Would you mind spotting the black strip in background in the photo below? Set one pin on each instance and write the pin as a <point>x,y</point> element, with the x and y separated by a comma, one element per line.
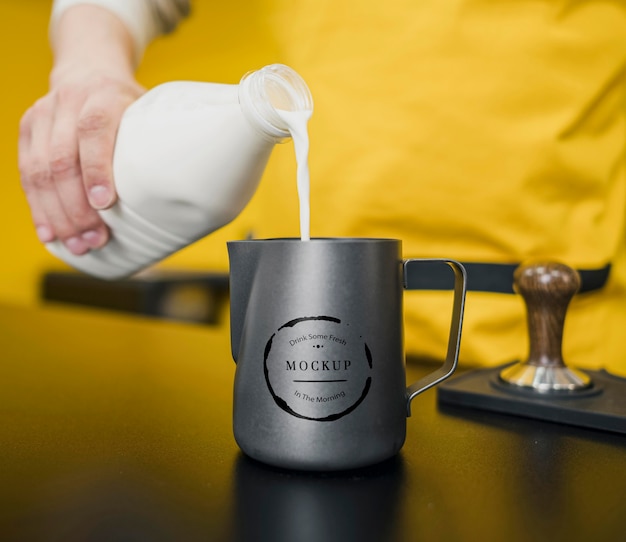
<point>489,277</point>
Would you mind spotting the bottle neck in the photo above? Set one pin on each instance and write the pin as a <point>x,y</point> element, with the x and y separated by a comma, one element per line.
<point>264,93</point>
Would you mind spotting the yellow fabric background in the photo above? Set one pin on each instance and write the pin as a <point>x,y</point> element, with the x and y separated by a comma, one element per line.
<point>483,131</point>
<point>477,130</point>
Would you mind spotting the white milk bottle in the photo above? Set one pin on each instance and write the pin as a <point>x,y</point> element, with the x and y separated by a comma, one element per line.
<point>188,158</point>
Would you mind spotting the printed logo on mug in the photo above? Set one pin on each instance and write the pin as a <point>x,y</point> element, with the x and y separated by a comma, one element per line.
<point>317,368</point>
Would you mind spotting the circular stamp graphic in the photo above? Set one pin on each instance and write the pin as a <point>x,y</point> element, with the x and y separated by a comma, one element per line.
<point>317,368</point>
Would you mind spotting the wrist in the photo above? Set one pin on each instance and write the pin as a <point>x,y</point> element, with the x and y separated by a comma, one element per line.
<point>90,39</point>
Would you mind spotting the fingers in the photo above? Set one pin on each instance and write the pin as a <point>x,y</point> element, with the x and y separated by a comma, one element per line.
<point>97,129</point>
<point>51,178</point>
<point>47,211</point>
<point>27,175</point>
<point>88,231</point>
<point>66,145</point>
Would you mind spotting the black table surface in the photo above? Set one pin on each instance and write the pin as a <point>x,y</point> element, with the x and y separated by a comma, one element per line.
<point>117,428</point>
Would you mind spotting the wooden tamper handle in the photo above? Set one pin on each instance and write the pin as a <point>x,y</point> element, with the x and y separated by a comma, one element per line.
<point>547,289</point>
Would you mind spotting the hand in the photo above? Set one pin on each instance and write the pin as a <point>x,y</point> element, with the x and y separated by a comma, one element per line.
<point>66,144</point>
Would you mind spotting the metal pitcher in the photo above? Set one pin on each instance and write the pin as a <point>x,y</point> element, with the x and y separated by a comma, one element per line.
<point>317,334</point>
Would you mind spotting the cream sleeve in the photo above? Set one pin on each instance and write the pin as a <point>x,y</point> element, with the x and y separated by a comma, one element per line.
<point>145,19</point>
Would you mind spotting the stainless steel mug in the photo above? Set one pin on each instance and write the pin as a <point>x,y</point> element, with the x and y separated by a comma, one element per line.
<point>316,331</point>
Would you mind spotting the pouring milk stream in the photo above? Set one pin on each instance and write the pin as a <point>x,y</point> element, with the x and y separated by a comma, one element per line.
<point>297,122</point>
<point>188,158</point>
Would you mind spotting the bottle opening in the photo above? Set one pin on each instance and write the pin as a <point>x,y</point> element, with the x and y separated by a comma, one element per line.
<point>284,89</point>
<point>271,89</point>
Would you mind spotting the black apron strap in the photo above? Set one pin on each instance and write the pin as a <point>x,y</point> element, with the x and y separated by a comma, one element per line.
<point>490,277</point>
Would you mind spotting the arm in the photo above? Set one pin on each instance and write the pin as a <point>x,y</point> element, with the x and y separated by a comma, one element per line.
<point>67,137</point>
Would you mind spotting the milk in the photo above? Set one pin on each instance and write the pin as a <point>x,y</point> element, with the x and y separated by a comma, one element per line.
<point>188,158</point>
<point>297,123</point>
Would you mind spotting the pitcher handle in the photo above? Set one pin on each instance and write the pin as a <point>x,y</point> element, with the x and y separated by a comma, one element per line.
<point>454,339</point>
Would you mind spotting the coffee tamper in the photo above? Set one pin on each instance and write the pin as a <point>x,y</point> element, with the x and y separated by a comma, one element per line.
<point>543,387</point>
<point>547,289</point>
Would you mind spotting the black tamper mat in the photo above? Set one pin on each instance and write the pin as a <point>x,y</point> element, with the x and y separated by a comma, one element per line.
<point>543,387</point>
<point>602,406</point>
